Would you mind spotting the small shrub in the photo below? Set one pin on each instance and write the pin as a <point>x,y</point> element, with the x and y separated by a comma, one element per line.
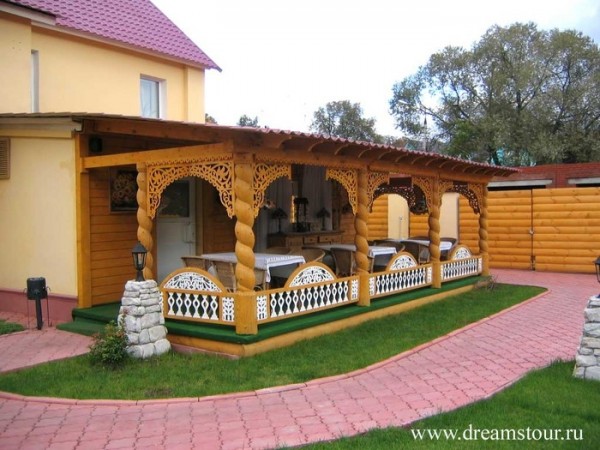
<point>110,347</point>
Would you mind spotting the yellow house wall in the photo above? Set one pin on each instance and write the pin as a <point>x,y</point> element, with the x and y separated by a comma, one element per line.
<point>37,208</point>
<point>15,46</point>
<point>398,217</point>
<point>77,75</point>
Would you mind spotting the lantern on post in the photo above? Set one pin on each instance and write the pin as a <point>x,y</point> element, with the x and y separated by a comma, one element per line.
<point>139,260</point>
<point>597,263</point>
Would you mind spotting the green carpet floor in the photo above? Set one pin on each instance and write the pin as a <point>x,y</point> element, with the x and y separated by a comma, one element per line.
<point>89,321</point>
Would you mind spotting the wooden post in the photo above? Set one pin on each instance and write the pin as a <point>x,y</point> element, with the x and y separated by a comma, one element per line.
<point>483,232</point>
<point>245,299</point>
<point>245,313</point>
<point>434,233</point>
<point>361,238</point>
<point>144,231</point>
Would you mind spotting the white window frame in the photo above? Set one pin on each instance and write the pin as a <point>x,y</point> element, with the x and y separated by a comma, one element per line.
<point>35,81</point>
<point>160,96</point>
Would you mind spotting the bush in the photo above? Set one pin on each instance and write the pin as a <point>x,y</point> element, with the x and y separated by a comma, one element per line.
<point>110,347</point>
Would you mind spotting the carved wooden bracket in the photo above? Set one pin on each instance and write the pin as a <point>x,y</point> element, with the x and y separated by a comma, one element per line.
<point>349,179</point>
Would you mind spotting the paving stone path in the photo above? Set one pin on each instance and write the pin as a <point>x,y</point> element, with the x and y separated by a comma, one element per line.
<point>467,365</point>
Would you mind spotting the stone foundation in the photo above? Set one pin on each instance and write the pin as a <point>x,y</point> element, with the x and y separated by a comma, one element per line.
<point>142,318</point>
<point>587,361</point>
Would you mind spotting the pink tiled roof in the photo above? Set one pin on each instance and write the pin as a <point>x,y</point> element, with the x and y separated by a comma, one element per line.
<point>136,23</point>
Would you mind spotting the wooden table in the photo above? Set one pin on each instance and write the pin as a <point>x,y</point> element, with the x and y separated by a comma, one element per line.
<point>262,261</point>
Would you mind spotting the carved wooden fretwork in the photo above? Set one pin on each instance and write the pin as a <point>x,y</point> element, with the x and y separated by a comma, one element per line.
<point>445,186</point>
<point>349,179</point>
<point>406,192</point>
<point>473,192</point>
<point>217,173</point>
<point>426,185</point>
<point>376,179</point>
<point>264,175</point>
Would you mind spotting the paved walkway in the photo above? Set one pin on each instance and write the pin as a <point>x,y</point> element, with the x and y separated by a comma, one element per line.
<point>465,366</point>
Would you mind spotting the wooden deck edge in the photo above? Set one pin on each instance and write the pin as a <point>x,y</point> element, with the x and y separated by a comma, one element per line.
<point>186,344</point>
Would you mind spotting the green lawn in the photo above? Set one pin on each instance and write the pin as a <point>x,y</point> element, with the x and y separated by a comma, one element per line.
<point>178,375</point>
<point>9,327</point>
<point>548,401</point>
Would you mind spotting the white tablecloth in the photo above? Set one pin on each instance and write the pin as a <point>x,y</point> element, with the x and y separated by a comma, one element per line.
<point>374,250</point>
<point>444,245</point>
<point>263,261</point>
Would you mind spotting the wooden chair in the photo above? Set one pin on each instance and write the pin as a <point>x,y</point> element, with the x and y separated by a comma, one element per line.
<point>226,273</point>
<point>194,261</point>
<point>345,262</point>
<point>279,250</point>
<point>446,253</point>
<point>311,254</point>
<point>419,251</point>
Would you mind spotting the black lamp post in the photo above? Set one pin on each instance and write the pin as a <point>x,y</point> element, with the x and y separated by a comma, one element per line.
<point>139,260</point>
<point>597,262</point>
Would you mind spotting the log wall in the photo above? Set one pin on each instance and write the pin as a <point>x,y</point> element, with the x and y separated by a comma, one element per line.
<point>112,237</point>
<point>543,229</point>
<point>378,218</point>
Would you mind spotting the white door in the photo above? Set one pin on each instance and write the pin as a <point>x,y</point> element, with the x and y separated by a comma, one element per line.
<point>176,226</point>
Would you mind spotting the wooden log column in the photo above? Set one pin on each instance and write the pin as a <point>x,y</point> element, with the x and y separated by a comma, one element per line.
<point>435,199</point>
<point>361,238</point>
<point>144,231</point>
<point>483,232</point>
<point>245,305</point>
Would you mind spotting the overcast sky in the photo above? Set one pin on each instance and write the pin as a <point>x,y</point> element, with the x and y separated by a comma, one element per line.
<point>282,60</point>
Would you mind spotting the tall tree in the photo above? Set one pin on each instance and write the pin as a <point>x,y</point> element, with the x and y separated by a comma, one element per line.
<point>344,119</point>
<point>247,121</point>
<point>519,96</point>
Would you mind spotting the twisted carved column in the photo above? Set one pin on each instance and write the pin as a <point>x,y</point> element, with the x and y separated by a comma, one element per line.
<point>244,212</point>
<point>144,231</point>
<point>483,232</point>
<point>362,236</point>
<point>360,223</point>
<point>434,232</point>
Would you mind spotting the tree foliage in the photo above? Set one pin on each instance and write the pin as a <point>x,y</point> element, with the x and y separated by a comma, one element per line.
<point>344,119</point>
<point>210,119</point>
<point>519,96</point>
<point>247,121</point>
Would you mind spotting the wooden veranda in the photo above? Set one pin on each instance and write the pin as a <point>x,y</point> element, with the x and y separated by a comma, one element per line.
<point>240,163</point>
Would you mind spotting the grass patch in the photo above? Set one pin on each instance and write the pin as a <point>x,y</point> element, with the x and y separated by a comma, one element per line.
<point>548,399</point>
<point>9,327</point>
<point>179,375</point>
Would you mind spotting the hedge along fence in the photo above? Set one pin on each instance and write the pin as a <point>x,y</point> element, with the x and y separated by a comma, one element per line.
<point>565,224</point>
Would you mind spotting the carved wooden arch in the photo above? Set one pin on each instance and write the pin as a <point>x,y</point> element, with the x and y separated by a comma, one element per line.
<point>348,178</point>
<point>473,192</point>
<point>406,192</point>
<point>376,179</point>
<point>264,175</point>
<point>218,173</point>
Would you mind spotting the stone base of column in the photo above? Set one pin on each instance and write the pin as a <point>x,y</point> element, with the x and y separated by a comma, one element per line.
<point>587,361</point>
<point>141,316</point>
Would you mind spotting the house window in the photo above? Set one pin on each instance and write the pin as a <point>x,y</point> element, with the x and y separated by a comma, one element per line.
<point>4,158</point>
<point>151,97</point>
<point>35,81</point>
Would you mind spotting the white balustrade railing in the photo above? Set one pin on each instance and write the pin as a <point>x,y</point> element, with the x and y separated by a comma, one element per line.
<point>312,287</point>
<point>193,294</point>
<point>388,283</point>
<point>196,295</point>
<point>462,264</point>
<point>401,274</point>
